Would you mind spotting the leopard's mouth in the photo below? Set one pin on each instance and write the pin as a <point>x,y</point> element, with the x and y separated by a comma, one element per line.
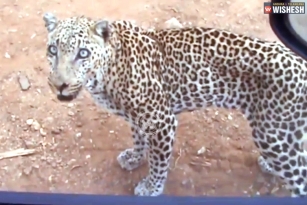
<point>68,93</point>
<point>65,98</point>
<point>68,97</point>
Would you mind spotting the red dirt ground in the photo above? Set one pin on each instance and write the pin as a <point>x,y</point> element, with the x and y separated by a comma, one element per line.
<point>76,144</point>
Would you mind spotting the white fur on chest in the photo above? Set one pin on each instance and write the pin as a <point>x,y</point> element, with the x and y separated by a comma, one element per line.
<point>102,98</point>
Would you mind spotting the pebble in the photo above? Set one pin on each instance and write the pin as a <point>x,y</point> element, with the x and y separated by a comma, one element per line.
<point>36,126</point>
<point>78,135</point>
<point>56,131</point>
<point>79,124</point>
<point>27,170</point>
<point>6,55</point>
<point>13,118</point>
<point>29,121</point>
<point>51,179</point>
<point>42,132</point>
<point>201,150</point>
<point>173,23</point>
<point>24,82</point>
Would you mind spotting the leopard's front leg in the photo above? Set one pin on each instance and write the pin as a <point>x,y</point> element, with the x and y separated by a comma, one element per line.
<point>160,144</point>
<point>134,157</point>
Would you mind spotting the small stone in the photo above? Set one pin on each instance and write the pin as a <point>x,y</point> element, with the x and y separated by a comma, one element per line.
<point>70,113</point>
<point>24,82</point>
<point>6,55</point>
<point>78,135</point>
<point>36,126</point>
<point>29,144</point>
<point>56,131</point>
<point>111,131</point>
<point>229,117</point>
<point>27,170</point>
<point>47,122</point>
<point>184,182</point>
<point>79,124</point>
<point>72,161</point>
<point>50,119</point>
<point>42,132</point>
<point>173,23</point>
<point>36,166</point>
<point>13,118</point>
<point>201,151</point>
<point>29,122</point>
<point>51,179</point>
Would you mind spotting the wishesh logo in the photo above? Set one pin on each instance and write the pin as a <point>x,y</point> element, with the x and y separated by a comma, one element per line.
<point>267,9</point>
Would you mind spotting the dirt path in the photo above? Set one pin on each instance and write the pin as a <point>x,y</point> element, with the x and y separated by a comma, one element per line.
<point>77,143</point>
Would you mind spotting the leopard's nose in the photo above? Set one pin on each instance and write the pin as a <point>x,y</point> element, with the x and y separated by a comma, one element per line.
<point>62,87</point>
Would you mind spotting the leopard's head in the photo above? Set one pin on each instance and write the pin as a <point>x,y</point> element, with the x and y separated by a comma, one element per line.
<point>77,49</point>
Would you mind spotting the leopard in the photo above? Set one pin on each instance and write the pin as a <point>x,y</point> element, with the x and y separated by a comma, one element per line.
<point>149,77</point>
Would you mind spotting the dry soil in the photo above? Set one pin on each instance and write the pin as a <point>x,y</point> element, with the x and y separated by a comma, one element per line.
<point>75,145</point>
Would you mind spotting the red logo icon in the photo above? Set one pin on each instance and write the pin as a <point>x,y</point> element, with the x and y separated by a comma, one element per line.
<point>267,9</point>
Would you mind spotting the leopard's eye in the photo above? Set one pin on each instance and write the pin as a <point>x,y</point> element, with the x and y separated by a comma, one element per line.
<point>53,50</point>
<point>83,53</point>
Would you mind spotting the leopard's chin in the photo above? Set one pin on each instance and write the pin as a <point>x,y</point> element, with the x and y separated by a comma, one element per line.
<point>64,98</point>
<point>67,98</point>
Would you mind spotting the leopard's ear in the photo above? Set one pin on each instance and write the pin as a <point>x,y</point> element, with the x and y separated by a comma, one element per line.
<point>50,21</point>
<point>101,28</point>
